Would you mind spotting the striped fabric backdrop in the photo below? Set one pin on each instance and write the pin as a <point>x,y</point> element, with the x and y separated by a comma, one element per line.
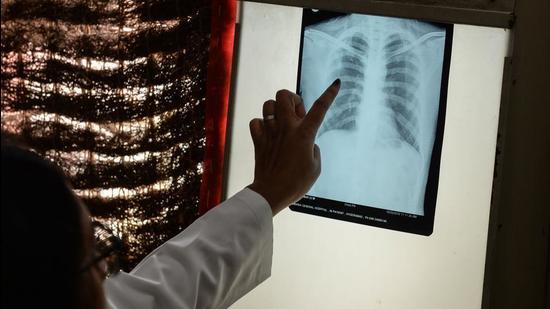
<point>114,92</point>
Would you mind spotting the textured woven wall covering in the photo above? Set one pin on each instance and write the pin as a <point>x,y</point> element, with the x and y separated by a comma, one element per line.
<point>113,91</point>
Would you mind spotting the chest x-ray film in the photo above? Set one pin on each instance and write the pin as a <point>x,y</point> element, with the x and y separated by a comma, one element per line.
<point>381,139</point>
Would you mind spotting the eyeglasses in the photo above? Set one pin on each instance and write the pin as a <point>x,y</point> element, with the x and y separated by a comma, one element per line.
<point>107,250</point>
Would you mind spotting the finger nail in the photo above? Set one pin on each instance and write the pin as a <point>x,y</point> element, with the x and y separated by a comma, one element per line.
<point>336,82</point>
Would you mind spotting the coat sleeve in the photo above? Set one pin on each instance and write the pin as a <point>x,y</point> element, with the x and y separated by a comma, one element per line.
<point>220,257</point>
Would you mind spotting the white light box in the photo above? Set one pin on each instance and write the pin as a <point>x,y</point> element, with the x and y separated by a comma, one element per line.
<point>321,262</point>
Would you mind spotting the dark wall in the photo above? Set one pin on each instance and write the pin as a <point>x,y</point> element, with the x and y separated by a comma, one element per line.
<point>517,266</point>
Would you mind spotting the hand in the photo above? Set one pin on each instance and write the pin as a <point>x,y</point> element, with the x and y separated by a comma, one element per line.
<point>288,161</point>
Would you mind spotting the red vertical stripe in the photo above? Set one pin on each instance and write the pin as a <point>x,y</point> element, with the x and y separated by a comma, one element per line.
<point>217,100</point>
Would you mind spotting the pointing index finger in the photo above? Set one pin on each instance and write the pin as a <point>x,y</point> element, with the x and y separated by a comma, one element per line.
<point>316,114</point>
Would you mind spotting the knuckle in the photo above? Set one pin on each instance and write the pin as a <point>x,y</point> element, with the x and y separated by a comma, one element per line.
<point>296,99</point>
<point>268,107</point>
<point>282,94</point>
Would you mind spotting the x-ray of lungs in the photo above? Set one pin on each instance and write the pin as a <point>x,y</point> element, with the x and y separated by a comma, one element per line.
<point>377,139</point>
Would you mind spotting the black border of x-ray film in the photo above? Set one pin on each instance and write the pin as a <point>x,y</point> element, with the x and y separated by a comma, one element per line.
<point>378,217</point>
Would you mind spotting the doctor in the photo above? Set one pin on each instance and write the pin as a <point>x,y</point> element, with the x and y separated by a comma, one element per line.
<point>51,258</point>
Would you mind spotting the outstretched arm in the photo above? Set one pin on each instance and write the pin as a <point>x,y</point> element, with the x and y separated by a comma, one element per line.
<point>228,251</point>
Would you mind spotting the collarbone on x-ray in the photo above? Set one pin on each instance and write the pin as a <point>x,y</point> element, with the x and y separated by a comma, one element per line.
<point>377,138</point>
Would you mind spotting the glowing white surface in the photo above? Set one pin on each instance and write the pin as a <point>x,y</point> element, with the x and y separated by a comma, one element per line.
<point>323,263</point>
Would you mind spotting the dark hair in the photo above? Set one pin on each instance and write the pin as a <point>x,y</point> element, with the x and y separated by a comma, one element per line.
<point>41,233</point>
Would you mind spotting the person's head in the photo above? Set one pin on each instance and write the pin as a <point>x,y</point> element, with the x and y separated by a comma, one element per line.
<point>47,238</point>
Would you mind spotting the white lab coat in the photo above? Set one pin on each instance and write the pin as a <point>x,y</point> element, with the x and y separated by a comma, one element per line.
<point>220,257</point>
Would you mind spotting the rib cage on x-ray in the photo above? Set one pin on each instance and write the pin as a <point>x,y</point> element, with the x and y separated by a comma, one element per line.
<point>400,85</point>
<point>350,65</point>
<point>388,104</point>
